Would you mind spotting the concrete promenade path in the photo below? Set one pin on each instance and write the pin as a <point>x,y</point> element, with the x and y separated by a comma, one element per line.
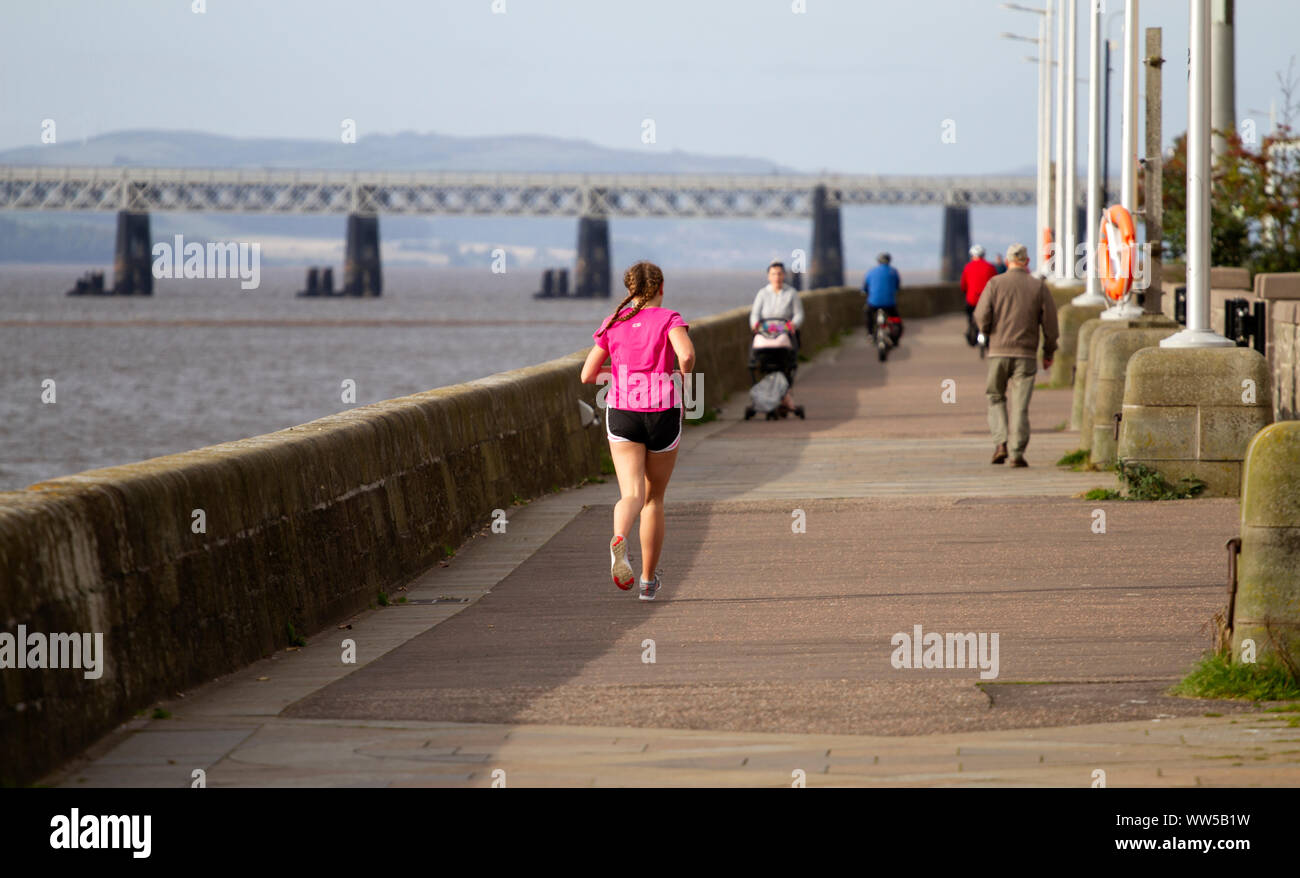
<point>519,662</point>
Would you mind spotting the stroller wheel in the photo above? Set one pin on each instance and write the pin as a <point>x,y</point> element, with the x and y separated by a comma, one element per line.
<point>884,352</point>
<point>749,412</point>
<point>798,410</point>
<point>771,416</point>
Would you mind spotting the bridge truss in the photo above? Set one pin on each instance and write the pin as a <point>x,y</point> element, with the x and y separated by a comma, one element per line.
<point>716,196</point>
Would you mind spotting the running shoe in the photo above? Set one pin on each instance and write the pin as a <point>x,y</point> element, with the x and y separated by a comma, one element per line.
<point>649,589</point>
<point>619,568</point>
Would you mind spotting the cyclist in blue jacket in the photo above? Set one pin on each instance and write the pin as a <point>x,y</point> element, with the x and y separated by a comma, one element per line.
<point>881,289</point>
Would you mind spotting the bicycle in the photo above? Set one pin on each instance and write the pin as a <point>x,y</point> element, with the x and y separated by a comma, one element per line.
<point>886,333</point>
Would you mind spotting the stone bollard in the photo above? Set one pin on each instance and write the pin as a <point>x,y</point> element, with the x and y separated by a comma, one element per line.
<point>1111,356</point>
<point>1081,351</point>
<point>1099,332</point>
<point>1069,318</point>
<point>1192,412</point>
<point>1088,370</point>
<point>1266,607</point>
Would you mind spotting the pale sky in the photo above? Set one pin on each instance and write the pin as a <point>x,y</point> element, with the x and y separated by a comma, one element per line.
<point>855,86</point>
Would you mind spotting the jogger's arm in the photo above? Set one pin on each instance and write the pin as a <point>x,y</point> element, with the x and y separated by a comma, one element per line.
<point>683,347</point>
<point>595,360</point>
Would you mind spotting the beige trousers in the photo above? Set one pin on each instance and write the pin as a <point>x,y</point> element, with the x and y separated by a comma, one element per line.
<point>1010,385</point>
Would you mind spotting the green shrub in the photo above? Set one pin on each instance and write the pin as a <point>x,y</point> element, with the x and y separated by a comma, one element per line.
<point>1217,676</point>
<point>1144,483</point>
<point>1074,458</point>
<point>1103,494</point>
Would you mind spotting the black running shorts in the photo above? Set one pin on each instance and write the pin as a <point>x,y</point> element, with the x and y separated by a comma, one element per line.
<point>657,431</point>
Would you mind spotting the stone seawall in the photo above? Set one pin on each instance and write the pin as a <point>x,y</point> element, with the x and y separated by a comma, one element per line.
<point>196,564</point>
<point>930,300</point>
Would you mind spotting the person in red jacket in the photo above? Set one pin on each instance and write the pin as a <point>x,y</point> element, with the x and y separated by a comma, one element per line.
<point>973,278</point>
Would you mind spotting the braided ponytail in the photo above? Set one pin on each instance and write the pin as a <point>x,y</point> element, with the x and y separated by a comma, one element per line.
<point>644,281</point>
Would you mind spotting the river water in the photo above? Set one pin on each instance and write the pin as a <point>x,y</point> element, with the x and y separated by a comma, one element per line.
<point>203,361</point>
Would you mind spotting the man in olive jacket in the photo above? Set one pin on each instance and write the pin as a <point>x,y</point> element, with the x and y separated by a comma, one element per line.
<point>1015,306</point>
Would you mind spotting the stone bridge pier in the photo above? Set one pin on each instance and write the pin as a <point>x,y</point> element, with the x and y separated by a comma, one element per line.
<point>592,275</point>
<point>132,255</point>
<point>956,242</point>
<point>826,267</point>
<point>362,273</point>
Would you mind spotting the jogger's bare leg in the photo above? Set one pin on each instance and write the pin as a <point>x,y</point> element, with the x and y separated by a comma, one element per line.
<point>658,470</point>
<point>630,466</point>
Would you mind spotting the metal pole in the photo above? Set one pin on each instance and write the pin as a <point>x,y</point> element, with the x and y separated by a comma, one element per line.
<point>1044,120</point>
<point>1092,294</point>
<point>1059,233</point>
<point>1105,134</point>
<point>1198,333</point>
<point>1129,120</point>
<point>1068,240</point>
<point>1052,223</point>
<point>1153,216</point>
<point>1223,98</point>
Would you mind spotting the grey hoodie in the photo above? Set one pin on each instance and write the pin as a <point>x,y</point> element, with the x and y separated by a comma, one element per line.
<point>771,305</point>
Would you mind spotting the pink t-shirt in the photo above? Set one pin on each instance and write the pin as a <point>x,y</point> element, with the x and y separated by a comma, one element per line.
<point>642,359</point>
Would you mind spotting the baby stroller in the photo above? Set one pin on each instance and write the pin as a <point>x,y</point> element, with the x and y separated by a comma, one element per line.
<point>773,360</point>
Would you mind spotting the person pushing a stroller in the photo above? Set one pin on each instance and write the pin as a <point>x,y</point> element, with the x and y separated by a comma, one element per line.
<point>775,320</point>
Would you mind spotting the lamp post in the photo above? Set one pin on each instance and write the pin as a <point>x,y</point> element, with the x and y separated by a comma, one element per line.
<point>1198,333</point>
<point>1108,47</point>
<point>1105,126</point>
<point>1069,240</point>
<point>1043,213</point>
<point>1128,310</point>
<point>1045,144</point>
<point>1223,98</point>
<point>1128,136</point>
<point>1092,294</point>
<point>1061,212</point>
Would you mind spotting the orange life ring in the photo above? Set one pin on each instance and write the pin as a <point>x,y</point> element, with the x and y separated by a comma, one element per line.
<point>1117,267</point>
<point>1047,247</point>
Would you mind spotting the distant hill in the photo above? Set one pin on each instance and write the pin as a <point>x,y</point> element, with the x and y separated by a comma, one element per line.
<point>407,151</point>
<point>911,233</point>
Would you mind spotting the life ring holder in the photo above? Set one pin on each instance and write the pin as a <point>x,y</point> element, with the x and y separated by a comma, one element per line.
<point>1116,261</point>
